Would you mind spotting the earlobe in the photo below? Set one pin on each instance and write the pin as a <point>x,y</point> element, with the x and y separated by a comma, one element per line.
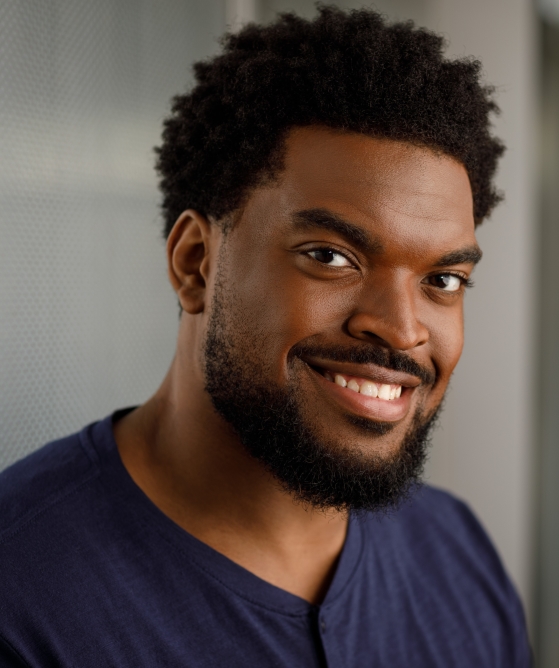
<point>188,247</point>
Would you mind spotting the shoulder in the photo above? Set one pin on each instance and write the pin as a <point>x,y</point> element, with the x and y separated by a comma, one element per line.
<point>40,481</point>
<point>435,539</point>
<point>439,509</point>
<point>441,528</point>
<point>436,504</point>
<point>435,552</point>
<point>430,509</point>
<point>449,521</point>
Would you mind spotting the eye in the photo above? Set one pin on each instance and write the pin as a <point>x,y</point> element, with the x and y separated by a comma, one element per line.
<point>448,282</point>
<point>330,257</point>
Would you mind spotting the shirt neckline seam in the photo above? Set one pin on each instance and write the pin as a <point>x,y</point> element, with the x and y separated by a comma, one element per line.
<point>193,559</point>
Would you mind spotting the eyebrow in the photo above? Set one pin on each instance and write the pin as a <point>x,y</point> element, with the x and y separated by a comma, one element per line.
<point>308,219</point>
<point>326,220</point>
<point>468,255</point>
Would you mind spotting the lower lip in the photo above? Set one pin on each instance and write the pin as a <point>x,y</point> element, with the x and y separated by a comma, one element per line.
<point>364,406</point>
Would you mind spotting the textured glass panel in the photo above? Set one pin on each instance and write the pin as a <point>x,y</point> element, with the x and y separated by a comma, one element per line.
<point>87,319</point>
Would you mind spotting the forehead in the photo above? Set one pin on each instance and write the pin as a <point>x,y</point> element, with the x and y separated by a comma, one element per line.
<point>394,189</point>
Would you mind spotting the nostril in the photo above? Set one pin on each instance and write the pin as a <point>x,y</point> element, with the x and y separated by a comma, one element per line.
<point>377,339</point>
<point>394,330</point>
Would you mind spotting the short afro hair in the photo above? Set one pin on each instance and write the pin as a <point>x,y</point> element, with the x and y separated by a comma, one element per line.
<point>350,71</point>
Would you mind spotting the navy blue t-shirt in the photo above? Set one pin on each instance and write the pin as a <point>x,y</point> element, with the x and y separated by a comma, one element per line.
<point>93,574</point>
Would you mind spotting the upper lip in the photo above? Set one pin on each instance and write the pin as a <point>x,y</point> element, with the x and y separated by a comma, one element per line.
<point>376,374</point>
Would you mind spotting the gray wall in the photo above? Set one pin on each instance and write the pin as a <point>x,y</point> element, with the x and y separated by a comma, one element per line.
<point>547,558</point>
<point>485,449</point>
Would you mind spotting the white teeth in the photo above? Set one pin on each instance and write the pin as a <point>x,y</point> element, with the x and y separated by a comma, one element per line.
<point>340,380</point>
<point>384,392</point>
<point>368,388</point>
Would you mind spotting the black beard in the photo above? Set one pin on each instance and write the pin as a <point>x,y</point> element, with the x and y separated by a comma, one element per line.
<point>272,427</point>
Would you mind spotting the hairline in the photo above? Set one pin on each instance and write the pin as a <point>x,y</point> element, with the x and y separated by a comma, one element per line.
<point>272,174</point>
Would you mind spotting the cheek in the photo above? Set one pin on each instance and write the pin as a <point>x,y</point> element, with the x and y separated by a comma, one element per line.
<point>284,307</point>
<point>307,308</point>
<point>446,343</point>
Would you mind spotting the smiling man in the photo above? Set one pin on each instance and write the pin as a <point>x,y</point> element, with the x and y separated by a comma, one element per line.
<point>322,185</point>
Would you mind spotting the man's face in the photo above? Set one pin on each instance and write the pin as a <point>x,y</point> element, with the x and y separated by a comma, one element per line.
<point>337,313</point>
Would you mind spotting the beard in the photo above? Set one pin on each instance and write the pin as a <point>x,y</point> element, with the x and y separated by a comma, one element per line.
<point>274,427</point>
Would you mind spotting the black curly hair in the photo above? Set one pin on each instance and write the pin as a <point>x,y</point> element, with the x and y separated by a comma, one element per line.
<point>346,70</point>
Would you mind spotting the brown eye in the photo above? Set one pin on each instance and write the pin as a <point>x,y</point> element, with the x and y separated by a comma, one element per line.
<point>446,282</point>
<point>330,257</point>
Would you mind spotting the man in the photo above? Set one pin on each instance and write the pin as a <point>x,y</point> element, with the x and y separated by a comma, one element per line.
<point>322,183</point>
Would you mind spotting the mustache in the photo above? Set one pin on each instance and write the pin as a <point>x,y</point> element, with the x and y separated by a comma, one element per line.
<point>367,354</point>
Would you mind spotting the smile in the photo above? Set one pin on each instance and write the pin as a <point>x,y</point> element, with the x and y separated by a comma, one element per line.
<point>381,391</point>
<point>364,390</point>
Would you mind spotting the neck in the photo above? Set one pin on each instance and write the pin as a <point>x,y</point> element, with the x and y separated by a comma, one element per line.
<point>191,464</point>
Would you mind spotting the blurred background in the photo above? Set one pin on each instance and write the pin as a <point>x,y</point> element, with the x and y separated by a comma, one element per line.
<point>88,321</point>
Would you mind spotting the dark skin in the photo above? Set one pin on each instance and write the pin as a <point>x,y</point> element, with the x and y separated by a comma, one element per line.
<point>398,222</point>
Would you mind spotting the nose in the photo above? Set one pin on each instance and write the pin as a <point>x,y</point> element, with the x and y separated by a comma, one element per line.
<point>388,314</point>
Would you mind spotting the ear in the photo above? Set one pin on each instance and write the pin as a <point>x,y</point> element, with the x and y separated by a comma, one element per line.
<point>188,251</point>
